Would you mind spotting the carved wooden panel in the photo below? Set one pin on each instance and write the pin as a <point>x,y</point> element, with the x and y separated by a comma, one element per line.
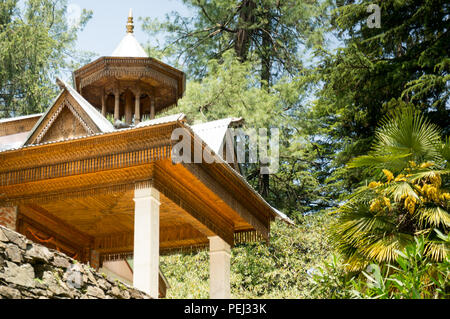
<point>65,126</point>
<point>40,234</point>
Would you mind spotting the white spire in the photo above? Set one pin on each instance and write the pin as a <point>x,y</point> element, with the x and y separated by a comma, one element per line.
<point>130,24</point>
<point>129,46</point>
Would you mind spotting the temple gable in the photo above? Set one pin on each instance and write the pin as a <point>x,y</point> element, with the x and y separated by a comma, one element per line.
<point>66,125</point>
<point>69,117</point>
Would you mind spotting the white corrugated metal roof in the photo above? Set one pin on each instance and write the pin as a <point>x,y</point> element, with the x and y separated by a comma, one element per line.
<point>203,128</point>
<point>19,118</point>
<point>162,120</point>
<point>213,133</point>
<point>283,216</point>
<point>12,141</point>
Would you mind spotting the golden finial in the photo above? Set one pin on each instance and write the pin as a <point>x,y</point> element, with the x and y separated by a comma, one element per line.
<point>130,25</point>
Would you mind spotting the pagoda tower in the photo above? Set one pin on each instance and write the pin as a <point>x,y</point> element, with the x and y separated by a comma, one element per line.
<point>129,84</point>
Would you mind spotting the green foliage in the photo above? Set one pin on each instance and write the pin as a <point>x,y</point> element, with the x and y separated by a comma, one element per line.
<point>36,44</point>
<point>231,89</point>
<point>276,270</point>
<point>331,281</point>
<point>411,200</point>
<point>413,277</point>
<point>375,71</point>
<point>271,31</point>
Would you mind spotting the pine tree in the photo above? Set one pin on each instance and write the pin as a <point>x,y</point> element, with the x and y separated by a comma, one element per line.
<point>36,44</point>
<point>376,71</point>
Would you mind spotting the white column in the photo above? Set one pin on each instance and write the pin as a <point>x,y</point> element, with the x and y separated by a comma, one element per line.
<point>152,108</point>
<point>116,105</point>
<point>137,107</point>
<point>219,268</point>
<point>146,240</point>
<point>128,108</point>
<point>103,103</point>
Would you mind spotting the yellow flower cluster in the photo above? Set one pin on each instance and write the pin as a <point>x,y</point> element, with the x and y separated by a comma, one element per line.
<point>427,189</point>
<point>410,204</point>
<point>387,202</point>
<point>430,191</point>
<point>445,197</point>
<point>374,184</point>
<point>376,205</point>
<point>389,175</point>
<point>379,204</point>
<point>426,165</point>
<point>400,178</point>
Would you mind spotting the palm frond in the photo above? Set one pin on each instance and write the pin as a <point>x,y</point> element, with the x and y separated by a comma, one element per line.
<point>400,190</point>
<point>427,174</point>
<point>407,136</point>
<point>433,216</point>
<point>445,151</point>
<point>436,251</point>
<point>409,131</point>
<point>379,161</point>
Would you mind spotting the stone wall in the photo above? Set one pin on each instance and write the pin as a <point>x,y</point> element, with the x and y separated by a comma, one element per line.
<point>32,271</point>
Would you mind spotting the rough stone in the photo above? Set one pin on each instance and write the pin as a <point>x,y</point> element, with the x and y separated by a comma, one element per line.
<point>31,271</point>
<point>115,291</point>
<point>54,285</point>
<point>13,253</point>
<point>3,237</point>
<point>126,294</point>
<point>16,238</point>
<point>61,262</point>
<point>10,293</point>
<point>137,294</point>
<point>95,292</point>
<point>91,277</point>
<point>38,253</point>
<point>39,292</point>
<point>19,275</point>
<point>102,283</point>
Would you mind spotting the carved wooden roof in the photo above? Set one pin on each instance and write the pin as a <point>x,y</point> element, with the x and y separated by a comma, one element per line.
<point>70,116</point>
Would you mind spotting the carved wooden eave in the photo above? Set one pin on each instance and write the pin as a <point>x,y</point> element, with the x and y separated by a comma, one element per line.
<point>104,76</point>
<point>95,176</point>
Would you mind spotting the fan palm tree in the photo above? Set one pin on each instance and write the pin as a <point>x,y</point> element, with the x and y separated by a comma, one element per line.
<point>408,196</point>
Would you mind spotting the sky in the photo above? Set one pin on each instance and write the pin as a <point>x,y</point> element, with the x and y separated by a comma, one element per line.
<point>106,28</point>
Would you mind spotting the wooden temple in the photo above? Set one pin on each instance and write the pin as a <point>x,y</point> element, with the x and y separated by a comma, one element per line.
<point>94,177</point>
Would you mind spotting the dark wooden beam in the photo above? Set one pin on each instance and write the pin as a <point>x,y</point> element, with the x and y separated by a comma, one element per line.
<point>55,225</point>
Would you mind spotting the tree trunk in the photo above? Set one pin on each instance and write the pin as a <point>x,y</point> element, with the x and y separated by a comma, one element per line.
<point>244,31</point>
<point>267,50</point>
